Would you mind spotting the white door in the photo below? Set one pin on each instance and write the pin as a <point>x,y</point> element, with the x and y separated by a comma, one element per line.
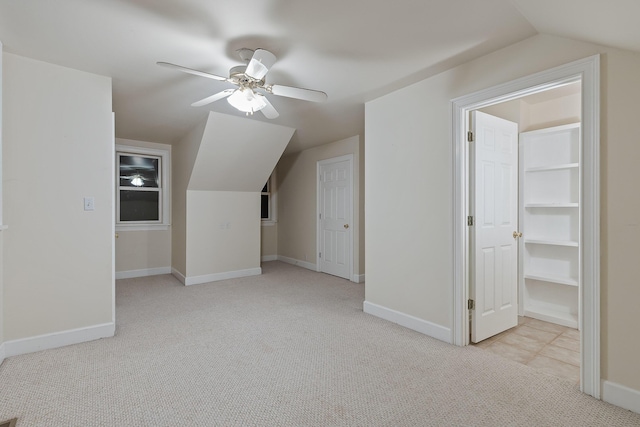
<point>334,217</point>
<point>494,205</point>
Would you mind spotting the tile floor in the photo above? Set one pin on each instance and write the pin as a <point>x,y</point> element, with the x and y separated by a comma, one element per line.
<point>551,348</point>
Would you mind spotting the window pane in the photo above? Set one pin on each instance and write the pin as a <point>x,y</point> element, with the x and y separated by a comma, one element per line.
<point>265,189</point>
<point>264,208</point>
<point>139,205</point>
<point>139,171</point>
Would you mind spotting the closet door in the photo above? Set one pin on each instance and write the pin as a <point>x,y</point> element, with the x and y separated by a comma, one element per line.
<point>494,245</point>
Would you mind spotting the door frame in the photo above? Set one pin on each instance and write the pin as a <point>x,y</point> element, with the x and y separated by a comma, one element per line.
<point>319,164</point>
<point>587,71</point>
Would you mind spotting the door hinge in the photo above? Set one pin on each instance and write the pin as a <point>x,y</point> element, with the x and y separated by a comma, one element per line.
<point>320,255</point>
<point>470,221</point>
<point>320,215</point>
<point>471,304</point>
<point>470,136</point>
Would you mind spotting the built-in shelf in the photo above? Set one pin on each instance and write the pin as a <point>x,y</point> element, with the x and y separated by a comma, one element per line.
<point>551,242</point>
<point>554,167</point>
<point>551,205</point>
<point>569,281</point>
<point>558,317</point>
<point>550,221</point>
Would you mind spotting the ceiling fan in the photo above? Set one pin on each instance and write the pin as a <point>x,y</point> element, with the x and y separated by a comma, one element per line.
<point>249,96</point>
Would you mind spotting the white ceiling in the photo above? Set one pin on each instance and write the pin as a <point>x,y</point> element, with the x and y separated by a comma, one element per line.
<point>353,50</point>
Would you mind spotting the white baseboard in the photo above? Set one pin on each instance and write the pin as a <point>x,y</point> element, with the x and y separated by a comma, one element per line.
<point>178,275</point>
<point>358,278</point>
<point>408,321</point>
<point>268,258</point>
<point>214,277</point>
<point>620,395</point>
<point>293,261</point>
<point>2,353</point>
<point>58,339</point>
<point>142,273</point>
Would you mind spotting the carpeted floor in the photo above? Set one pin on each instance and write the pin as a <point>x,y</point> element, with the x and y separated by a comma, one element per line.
<point>288,348</point>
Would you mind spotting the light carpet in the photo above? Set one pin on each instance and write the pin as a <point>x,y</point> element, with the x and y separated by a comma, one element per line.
<point>288,348</point>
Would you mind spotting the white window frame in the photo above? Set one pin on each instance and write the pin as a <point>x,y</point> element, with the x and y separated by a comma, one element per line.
<point>165,207</point>
<point>273,202</point>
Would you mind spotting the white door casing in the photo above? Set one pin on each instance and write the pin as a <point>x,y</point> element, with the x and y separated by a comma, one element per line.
<point>335,218</point>
<point>494,203</point>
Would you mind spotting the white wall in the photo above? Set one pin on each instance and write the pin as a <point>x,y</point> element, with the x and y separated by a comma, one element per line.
<point>57,148</point>
<point>143,252</point>
<point>1,224</point>
<point>297,201</point>
<point>409,177</point>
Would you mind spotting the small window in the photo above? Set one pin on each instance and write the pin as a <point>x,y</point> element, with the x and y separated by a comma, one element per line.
<point>265,206</point>
<point>142,199</point>
<point>268,201</point>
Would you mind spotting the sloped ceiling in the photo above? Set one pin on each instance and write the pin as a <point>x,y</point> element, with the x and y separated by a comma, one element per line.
<point>353,50</point>
<point>237,154</point>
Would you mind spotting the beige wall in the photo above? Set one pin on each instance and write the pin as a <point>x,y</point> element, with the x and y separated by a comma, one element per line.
<point>57,148</point>
<point>297,200</point>
<point>223,232</point>
<point>269,240</point>
<point>409,172</point>
<point>183,158</point>
<point>143,249</point>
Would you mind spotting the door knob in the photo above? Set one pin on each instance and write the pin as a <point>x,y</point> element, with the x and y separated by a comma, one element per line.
<point>346,226</point>
<point>516,234</point>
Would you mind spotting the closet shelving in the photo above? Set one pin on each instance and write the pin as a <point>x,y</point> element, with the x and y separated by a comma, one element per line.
<point>550,223</point>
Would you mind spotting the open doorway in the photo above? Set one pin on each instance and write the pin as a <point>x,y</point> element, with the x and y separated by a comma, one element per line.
<point>586,72</point>
<point>534,229</point>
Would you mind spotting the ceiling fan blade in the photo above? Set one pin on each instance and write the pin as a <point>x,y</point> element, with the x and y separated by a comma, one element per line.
<point>268,110</point>
<point>298,93</point>
<point>213,98</point>
<point>192,71</point>
<point>260,63</point>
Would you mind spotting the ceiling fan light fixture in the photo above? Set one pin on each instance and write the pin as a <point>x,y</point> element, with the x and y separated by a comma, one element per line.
<point>247,101</point>
<point>137,181</point>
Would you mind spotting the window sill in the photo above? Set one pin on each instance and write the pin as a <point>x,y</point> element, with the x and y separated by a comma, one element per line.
<point>268,223</point>
<point>142,227</point>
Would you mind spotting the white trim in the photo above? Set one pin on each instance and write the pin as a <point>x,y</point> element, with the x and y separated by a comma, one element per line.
<point>142,227</point>
<point>319,164</point>
<point>181,278</point>
<point>2,353</point>
<point>59,339</point>
<point>267,258</point>
<point>588,71</point>
<point>129,274</point>
<point>215,277</point>
<point>620,395</point>
<point>113,219</point>
<point>358,278</point>
<point>165,195</point>
<point>268,223</point>
<point>420,325</point>
<point>293,261</point>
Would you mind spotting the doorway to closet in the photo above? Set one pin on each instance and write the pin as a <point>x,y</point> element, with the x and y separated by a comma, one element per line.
<point>525,246</point>
<point>541,264</point>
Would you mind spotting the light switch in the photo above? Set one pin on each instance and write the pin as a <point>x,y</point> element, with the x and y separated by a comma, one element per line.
<point>89,204</point>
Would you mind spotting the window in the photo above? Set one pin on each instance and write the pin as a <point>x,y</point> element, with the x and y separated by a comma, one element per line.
<point>141,194</point>
<point>268,202</point>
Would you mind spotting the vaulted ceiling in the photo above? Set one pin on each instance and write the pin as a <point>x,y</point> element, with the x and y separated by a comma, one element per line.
<point>353,50</point>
